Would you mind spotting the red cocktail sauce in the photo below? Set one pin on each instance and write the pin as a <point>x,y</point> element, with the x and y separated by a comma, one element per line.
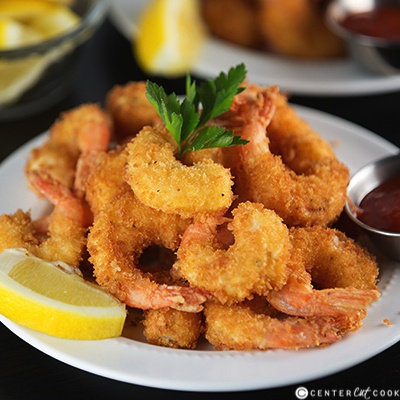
<point>381,207</point>
<point>383,22</point>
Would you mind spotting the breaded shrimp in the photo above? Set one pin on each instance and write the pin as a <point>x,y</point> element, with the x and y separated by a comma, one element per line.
<point>66,237</point>
<point>172,328</point>
<point>307,185</point>
<point>238,327</point>
<point>333,259</point>
<point>120,232</point>
<point>233,20</point>
<point>160,181</point>
<point>344,273</point>
<point>106,179</point>
<point>296,28</point>
<point>79,132</point>
<point>254,264</point>
<point>129,108</point>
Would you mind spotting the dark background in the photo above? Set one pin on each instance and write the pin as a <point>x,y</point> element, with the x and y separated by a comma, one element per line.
<point>26,373</point>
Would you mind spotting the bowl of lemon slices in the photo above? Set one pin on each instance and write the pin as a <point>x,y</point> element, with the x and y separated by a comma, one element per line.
<point>40,41</point>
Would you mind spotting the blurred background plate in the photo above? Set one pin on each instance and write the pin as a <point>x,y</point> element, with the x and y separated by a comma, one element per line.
<point>327,78</point>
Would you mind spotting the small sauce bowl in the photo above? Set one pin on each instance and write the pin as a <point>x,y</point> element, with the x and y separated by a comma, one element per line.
<point>362,183</point>
<point>371,29</point>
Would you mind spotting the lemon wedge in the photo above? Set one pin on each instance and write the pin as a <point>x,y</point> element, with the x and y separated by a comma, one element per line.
<point>48,298</point>
<point>170,37</point>
<point>39,18</point>
<point>17,76</point>
<point>55,22</point>
<point>24,10</point>
<point>14,34</point>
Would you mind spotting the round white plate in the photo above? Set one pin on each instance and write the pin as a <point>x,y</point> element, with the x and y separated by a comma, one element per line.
<point>135,361</point>
<point>328,78</point>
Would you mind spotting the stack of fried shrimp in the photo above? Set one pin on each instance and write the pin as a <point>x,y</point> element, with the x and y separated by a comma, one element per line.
<point>234,244</point>
<point>290,28</point>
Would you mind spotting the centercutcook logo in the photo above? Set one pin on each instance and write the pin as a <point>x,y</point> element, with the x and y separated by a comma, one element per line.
<point>360,393</point>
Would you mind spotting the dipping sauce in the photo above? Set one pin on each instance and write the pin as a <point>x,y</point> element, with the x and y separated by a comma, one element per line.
<point>383,22</point>
<point>381,207</point>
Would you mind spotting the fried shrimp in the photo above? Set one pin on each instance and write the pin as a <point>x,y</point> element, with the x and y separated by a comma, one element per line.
<point>129,108</point>
<point>233,20</point>
<point>78,133</point>
<point>120,233</point>
<point>296,28</point>
<point>66,236</point>
<point>254,264</point>
<point>307,184</point>
<point>160,181</point>
<point>344,274</point>
<point>333,259</point>
<point>172,328</point>
<point>238,327</point>
<point>106,179</point>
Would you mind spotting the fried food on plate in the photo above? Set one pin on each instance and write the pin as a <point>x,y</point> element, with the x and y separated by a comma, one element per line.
<point>330,275</point>
<point>296,28</point>
<point>303,182</point>
<point>161,181</point>
<point>229,239</point>
<point>291,28</point>
<point>234,274</point>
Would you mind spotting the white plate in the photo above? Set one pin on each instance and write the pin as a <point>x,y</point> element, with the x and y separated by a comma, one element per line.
<point>329,78</point>
<point>137,362</point>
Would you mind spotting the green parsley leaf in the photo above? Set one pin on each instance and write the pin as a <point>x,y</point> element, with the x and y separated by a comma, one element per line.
<point>187,120</point>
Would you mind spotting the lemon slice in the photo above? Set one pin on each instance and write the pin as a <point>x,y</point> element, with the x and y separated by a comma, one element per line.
<point>170,37</point>
<point>42,296</point>
<point>55,22</point>
<point>15,34</point>
<point>24,10</point>
<point>17,76</point>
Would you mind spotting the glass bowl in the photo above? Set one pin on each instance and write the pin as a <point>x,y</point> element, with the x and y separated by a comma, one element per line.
<point>45,70</point>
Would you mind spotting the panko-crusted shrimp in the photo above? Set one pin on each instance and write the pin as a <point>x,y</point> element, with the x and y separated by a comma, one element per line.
<point>238,327</point>
<point>297,28</point>
<point>77,135</point>
<point>254,264</point>
<point>344,274</point>
<point>160,181</point>
<point>172,328</point>
<point>307,184</point>
<point>66,236</point>
<point>120,232</point>
<point>106,179</point>
<point>130,109</point>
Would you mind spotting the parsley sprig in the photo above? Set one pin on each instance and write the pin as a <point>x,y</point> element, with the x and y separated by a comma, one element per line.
<point>187,120</point>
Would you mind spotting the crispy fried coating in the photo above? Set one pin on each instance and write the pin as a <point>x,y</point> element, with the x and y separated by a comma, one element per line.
<point>172,328</point>
<point>129,108</point>
<point>233,20</point>
<point>306,185</point>
<point>64,238</point>
<point>121,231</point>
<point>84,129</point>
<point>296,28</point>
<point>238,327</point>
<point>334,260</point>
<point>106,179</point>
<point>162,182</point>
<point>254,264</point>
<point>344,275</point>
